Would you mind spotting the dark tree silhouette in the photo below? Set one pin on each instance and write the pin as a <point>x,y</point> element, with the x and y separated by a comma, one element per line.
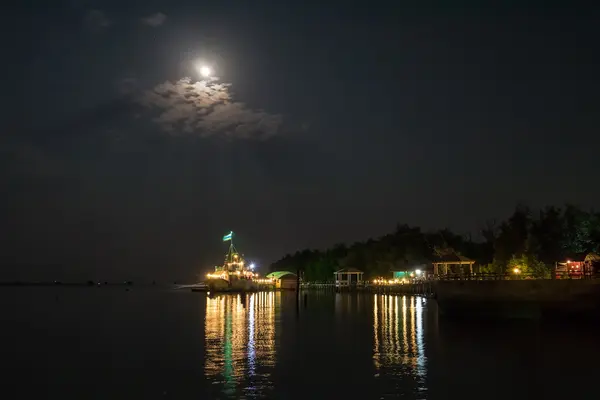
<point>532,240</point>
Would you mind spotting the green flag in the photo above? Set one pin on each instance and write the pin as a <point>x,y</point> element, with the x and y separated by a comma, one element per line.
<point>228,236</point>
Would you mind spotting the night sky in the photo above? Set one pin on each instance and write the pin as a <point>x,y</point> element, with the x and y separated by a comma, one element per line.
<point>329,123</point>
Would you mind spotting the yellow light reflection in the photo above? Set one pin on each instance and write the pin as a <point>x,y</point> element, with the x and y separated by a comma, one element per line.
<point>421,360</point>
<point>404,325</point>
<point>413,331</point>
<point>376,332</point>
<point>398,343</point>
<point>240,341</point>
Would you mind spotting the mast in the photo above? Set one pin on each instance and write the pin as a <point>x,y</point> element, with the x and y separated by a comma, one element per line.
<point>234,265</point>
<point>230,257</point>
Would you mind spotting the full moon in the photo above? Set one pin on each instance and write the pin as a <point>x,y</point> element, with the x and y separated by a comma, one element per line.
<point>205,71</point>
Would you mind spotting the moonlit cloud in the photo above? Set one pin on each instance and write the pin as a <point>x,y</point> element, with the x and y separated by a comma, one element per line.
<point>96,20</point>
<point>206,108</point>
<point>155,20</point>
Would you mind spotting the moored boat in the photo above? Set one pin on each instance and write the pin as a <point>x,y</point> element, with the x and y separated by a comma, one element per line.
<point>234,275</point>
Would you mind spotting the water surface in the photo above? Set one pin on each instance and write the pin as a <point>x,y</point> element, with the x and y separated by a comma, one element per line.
<point>148,343</point>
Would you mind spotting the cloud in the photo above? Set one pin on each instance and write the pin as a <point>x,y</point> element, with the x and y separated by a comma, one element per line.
<point>96,20</point>
<point>155,20</point>
<point>206,108</point>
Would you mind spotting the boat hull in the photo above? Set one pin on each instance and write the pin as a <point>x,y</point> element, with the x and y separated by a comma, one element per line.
<point>524,299</point>
<point>236,285</point>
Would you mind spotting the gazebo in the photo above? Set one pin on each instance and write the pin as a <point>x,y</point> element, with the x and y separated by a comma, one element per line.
<point>451,264</point>
<point>346,277</point>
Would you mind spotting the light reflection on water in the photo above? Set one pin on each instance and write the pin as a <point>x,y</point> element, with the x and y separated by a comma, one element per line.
<point>398,341</point>
<point>81,343</point>
<point>240,343</point>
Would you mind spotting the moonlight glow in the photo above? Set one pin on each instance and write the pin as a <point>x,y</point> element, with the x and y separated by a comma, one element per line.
<point>205,71</point>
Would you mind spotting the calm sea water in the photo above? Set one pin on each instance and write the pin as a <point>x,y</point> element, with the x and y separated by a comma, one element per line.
<point>148,343</point>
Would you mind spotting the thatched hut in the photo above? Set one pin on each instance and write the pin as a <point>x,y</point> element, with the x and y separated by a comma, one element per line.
<point>591,264</point>
<point>447,261</point>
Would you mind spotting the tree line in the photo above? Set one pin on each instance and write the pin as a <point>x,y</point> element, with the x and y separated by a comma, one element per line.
<point>533,240</point>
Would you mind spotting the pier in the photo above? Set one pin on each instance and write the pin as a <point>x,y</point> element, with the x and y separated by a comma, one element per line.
<point>424,288</point>
<point>486,293</point>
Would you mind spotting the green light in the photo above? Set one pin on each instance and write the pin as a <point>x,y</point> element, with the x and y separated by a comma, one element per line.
<point>227,356</point>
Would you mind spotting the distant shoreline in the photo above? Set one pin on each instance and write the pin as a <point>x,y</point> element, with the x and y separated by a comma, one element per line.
<point>59,283</point>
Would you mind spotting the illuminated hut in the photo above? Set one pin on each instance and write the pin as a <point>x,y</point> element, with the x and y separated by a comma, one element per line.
<point>285,280</point>
<point>578,267</point>
<point>408,269</point>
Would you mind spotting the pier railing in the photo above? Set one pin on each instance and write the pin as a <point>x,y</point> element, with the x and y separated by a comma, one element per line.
<point>483,276</point>
<point>508,276</point>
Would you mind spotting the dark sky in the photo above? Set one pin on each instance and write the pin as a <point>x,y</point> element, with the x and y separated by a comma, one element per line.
<point>329,123</point>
